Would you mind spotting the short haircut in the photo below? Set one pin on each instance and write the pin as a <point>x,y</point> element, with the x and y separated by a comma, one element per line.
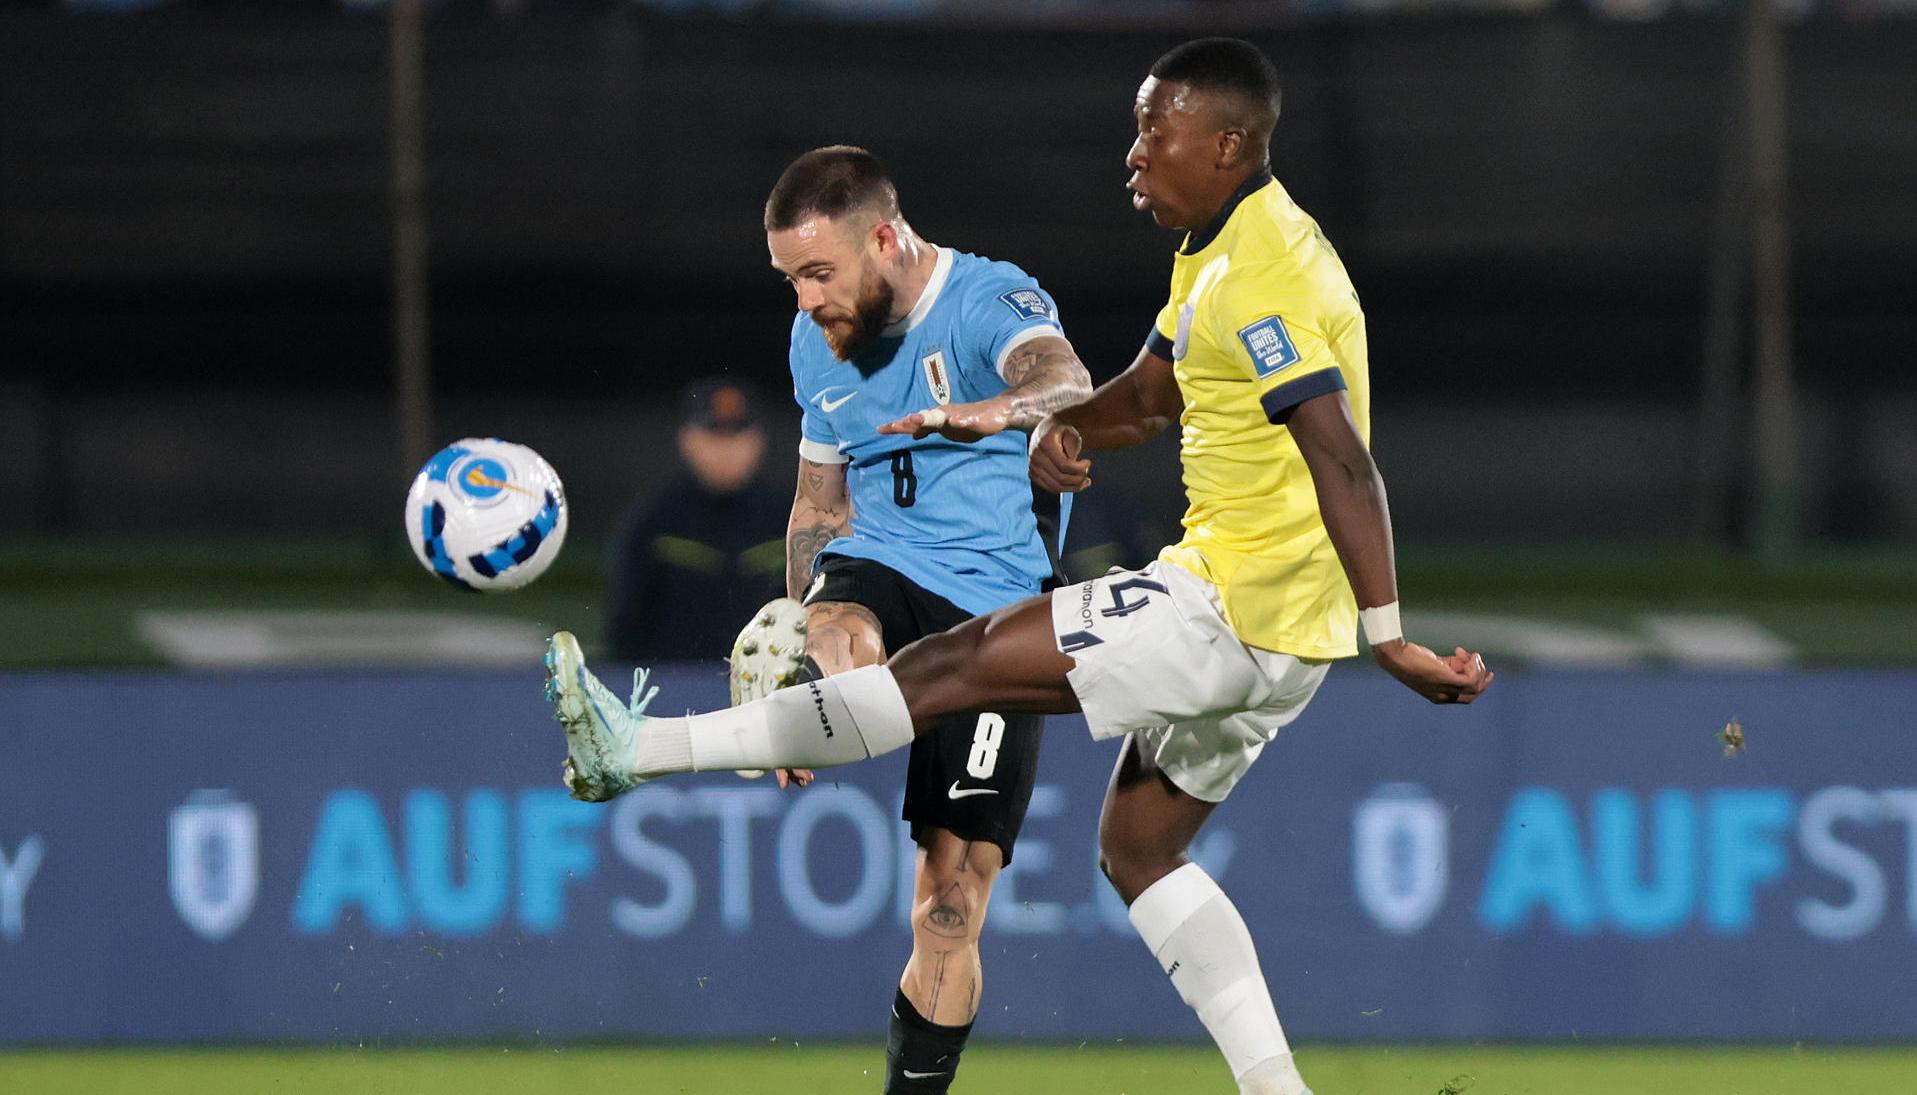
<point>1231,66</point>
<point>830,182</point>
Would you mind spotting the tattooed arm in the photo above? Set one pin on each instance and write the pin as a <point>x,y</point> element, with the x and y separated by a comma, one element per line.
<point>1045,376</point>
<point>821,513</point>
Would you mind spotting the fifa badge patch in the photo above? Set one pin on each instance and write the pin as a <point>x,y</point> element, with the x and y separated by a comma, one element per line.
<point>1027,303</point>
<point>936,377</point>
<point>1269,345</point>
<point>1183,342</point>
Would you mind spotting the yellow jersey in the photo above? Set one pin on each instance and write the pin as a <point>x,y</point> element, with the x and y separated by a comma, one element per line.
<point>1262,317</point>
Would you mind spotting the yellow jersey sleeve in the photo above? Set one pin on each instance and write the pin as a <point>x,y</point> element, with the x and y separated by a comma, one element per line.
<point>1164,331</point>
<point>1276,338</point>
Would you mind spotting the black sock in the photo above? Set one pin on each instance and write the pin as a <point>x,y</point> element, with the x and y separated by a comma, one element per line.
<point>920,1056</point>
<point>810,671</point>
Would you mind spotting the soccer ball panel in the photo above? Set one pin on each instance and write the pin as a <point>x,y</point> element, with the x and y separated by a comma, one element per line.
<point>486,515</point>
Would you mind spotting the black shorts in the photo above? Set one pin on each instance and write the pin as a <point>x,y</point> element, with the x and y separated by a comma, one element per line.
<point>970,774</point>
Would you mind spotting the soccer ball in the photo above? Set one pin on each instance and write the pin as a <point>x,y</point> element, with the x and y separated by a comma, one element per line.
<point>486,515</point>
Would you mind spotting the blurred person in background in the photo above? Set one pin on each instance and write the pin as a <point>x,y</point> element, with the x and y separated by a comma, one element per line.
<point>688,563</point>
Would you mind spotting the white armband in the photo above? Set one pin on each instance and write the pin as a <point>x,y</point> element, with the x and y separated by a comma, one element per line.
<point>1381,624</point>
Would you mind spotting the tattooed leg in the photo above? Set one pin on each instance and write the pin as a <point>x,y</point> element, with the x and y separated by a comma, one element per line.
<point>939,993</point>
<point>943,978</point>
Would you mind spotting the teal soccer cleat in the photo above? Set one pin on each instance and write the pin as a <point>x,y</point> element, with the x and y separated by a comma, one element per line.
<point>602,733</point>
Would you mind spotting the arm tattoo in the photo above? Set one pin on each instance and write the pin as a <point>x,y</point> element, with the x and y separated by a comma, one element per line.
<point>802,546</point>
<point>1045,376</point>
<point>821,513</point>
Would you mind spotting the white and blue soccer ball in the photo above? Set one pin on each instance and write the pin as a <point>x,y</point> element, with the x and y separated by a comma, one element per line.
<point>486,515</point>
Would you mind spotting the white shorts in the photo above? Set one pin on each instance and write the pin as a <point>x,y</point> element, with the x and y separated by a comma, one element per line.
<point>1155,657</point>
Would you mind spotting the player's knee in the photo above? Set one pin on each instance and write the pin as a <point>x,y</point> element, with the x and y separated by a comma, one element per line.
<point>953,913</point>
<point>955,876</point>
<point>1121,873</point>
<point>830,645</point>
<point>1132,879</point>
<point>1132,864</point>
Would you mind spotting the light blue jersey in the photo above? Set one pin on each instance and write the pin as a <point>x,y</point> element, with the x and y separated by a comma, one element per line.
<point>960,520</point>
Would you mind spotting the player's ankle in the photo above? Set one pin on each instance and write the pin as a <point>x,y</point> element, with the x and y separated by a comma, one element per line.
<point>921,1056</point>
<point>1272,1076</point>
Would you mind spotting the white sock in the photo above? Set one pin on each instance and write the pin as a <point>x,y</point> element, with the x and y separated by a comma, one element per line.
<point>817,724</point>
<point>1273,1076</point>
<point>1200,940</point>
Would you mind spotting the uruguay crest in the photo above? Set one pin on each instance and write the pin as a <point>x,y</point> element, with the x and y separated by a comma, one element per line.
<point>936,377</point>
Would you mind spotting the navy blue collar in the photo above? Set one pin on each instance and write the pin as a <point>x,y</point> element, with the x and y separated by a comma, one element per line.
<point>1198,241</point>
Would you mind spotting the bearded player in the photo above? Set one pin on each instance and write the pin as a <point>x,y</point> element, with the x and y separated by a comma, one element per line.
<point>894,538</point>
<point>1200,658</point>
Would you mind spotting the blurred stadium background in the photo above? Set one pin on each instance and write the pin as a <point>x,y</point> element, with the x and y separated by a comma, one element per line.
<point>275,806</point>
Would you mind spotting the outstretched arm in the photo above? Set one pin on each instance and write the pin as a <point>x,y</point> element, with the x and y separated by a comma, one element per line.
<point>1351,496</point>
<point>1045,376</point>
<point>821,513</point>
<point>1129,409</point>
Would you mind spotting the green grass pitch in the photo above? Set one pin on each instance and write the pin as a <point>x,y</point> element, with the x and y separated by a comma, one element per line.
<point>1099,1069</point>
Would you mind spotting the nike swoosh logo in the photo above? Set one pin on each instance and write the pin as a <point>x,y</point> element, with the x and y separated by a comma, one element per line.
<point>830,405</point>
<point>954,792</point>
<point>477,478</point>
<point>910,1075</point>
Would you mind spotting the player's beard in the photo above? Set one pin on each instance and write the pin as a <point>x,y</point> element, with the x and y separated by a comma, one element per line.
<point>847,335</point>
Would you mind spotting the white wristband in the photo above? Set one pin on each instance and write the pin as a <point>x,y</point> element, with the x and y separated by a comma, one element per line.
<point>1381,624</point>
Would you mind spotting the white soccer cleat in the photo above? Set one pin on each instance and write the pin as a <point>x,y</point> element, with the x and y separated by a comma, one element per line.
<point>767,656</point>
<point>602,733</point>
